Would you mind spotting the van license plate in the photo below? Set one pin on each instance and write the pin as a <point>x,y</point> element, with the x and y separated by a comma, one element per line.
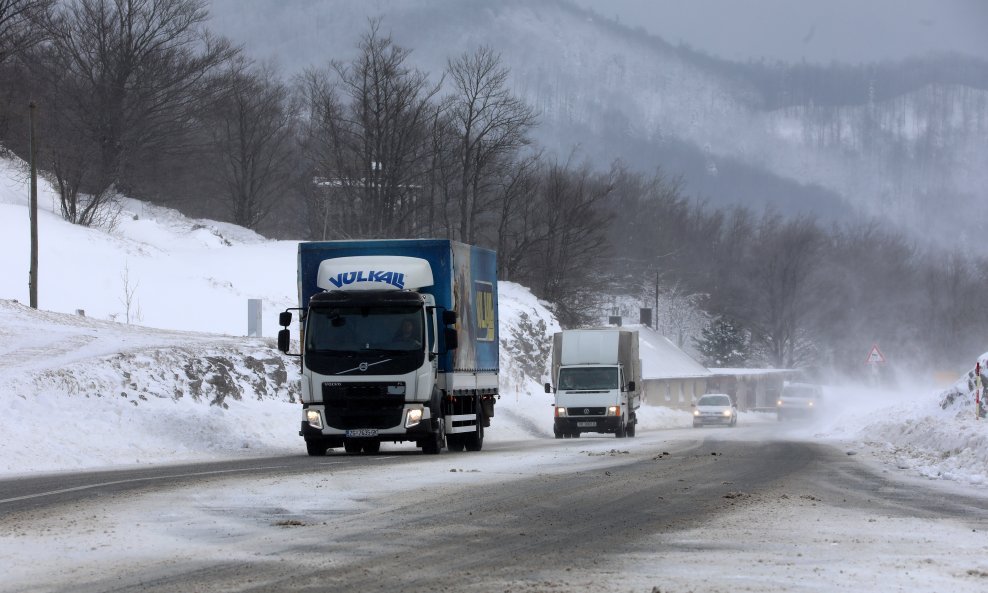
<point>361,432</point>
<point>586,424</point>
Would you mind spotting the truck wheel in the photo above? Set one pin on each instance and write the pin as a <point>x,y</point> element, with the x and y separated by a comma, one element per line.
<point>475,440</point>
<point>454,442</point>
<point>557,434</point>
<point>631,428</point>
<point>315,448</point>
<point>621,431</point>
<point>371,446</point>
<point>351,446</point>
<point>437,440</point>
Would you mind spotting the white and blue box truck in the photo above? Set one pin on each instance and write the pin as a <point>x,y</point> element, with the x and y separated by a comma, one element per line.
<point>398,342</point>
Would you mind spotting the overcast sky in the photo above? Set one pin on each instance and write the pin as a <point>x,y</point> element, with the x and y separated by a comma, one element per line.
<point>817,31</point>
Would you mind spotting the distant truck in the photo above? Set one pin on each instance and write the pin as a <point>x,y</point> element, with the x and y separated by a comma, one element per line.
<point>597,377</point>
<point>398,343</point>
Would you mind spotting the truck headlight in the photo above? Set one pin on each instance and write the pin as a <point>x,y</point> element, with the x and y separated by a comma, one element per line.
<point>696,412</point>
<point>614,411</point>
<point>314,418</point>
<point>727,412</point>
<point>413,418</point>
<point>560,412</point>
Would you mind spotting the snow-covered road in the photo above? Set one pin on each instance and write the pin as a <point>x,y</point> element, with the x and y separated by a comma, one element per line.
<point>675,509</point>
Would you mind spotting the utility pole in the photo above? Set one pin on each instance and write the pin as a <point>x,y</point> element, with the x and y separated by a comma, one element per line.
<point>655,316</point>
<point>33,274</point>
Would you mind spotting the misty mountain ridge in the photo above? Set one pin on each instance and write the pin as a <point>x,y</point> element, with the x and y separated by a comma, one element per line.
<point>910,147</point>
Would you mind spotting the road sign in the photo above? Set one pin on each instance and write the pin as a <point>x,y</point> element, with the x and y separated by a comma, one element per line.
<point>875,356</point>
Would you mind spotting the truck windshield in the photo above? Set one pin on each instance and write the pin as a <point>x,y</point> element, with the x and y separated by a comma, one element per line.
<point>394,329</point>
<point>588,378</point>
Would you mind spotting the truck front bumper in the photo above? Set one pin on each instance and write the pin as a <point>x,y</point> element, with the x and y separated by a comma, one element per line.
<point>575,424</point>
<point>371,427</point>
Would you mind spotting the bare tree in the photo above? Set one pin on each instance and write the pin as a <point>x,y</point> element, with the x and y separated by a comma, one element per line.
<point>566,269</point>
<point>369,134</point>
<point>123,81</point>
<point>252,127</point>
<point>519,215</point>
<point>490,126</point>
<point>20,25</point>
<point>783,267</point>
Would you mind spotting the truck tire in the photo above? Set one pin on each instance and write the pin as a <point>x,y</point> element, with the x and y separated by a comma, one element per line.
<point>437,440</point>
<point>315,448</point>
<point>371,446</point>
<point>631,428</point>
<point>351,446</point>
<point>621,431</point>
<point>474,441</point>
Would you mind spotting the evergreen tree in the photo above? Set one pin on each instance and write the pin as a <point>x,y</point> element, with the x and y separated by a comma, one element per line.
<point>724,344</point>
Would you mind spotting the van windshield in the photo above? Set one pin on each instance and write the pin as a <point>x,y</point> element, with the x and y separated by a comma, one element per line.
<point>588,378</point>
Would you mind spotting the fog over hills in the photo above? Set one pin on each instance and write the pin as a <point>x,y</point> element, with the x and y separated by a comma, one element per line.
<point>904,142</point>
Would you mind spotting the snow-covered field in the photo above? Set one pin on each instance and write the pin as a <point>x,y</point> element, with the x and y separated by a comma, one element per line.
<point>181,382</point>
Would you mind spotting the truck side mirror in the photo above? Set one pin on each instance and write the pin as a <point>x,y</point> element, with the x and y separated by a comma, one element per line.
<point>285,318</point>
<point>631,385</point>
<point>284,337</point>
<point>449,317</point>
<point>548,388</point>
<point>452,340</point>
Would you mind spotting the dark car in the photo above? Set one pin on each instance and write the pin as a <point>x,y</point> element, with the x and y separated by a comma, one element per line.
<point>799,400</point>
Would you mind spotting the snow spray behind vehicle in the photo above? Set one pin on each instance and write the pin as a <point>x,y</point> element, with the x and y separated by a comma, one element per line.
<point>398,343</point>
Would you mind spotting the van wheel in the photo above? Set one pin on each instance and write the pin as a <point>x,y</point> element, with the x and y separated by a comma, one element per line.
<point>351,446</point>
<point>371,446</point>
<point>631,428</point>
<point>621,432</point>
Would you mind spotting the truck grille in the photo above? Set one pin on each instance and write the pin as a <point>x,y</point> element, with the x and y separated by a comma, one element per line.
<point>363,405</point>
<point>578,411</point>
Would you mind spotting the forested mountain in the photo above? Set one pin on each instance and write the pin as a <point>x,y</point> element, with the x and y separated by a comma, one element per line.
<point>816,210</point>
<point>905,142</point>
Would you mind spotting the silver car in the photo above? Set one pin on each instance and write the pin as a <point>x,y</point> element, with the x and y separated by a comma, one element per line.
<point>715,408</point>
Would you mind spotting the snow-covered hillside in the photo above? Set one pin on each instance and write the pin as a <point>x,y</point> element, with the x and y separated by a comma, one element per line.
<point>184,384</point>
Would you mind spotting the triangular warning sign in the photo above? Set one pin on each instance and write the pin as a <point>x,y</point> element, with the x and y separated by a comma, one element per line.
<point>875,356</point>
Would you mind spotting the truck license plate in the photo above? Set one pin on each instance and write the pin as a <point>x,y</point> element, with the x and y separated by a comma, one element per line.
<point>361,432</point>
<point>586,424</point>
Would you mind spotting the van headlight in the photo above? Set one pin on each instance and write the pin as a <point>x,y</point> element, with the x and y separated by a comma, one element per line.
<point>614,410</point>
<point>560,412</point>
<point>413,418</point>
<point>314,418</point>
<point>727,412</point>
